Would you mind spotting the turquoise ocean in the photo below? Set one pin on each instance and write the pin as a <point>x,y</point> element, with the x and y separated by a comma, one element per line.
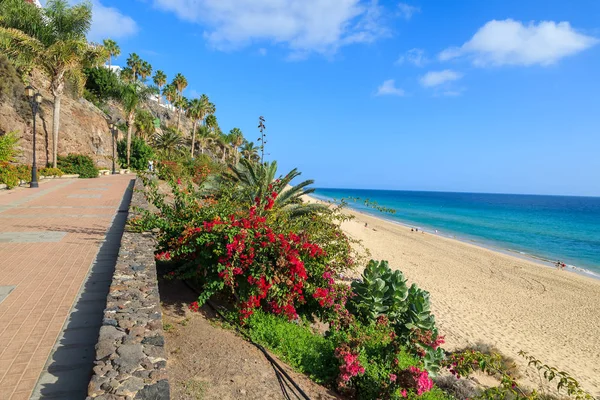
<point>548,228</point>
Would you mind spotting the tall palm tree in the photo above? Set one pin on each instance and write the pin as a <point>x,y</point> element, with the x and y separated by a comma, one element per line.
<point>180,82</point>
<point>135,63</point>
<point>113,50</point>
<point>132,95</point>
<point>160,78</point>
<point>204,135</point>
<point>145,70</point>
<point>212,123</point>
<point>194,112</point>
<point>249,151</point>
<point>170,93</point>
<point>181,104</point>
<point>203,107</point>
<point>236,138</point>
<point>52,39</point>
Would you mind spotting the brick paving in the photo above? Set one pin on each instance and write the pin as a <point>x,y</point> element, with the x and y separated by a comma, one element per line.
<point>49,238</point>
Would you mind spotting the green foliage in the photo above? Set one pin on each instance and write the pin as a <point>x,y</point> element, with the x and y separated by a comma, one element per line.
<point>8,146</point>
<point>304,350</point>
<point>381,292</point>
<point>169,143</point>
<point>103,84</point>
<point>51,172</point>
<point>78,164</point>
<point>256,180</point>
<point>9,175</point>
<point>141,153</point>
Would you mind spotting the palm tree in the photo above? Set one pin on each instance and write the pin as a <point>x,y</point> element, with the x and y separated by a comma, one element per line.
<point>132,95</point>
<point>135,63</point>
<point>180,83</point>
<point>113,50</point>
<point>170,93</point>
<point>256,180</point>
<point>145,70</point>
<point>194,112</point>
<point>181,104</point>
<point>53,40</point>
<point>126,75</point>
<point>236,138</point>
<point>169,141</point>
<point>144,124</point>
<point>200,109</point>
<point>160,78</point>
<point>212,123</point>
<point>204,135</point>
<point>249,151</point>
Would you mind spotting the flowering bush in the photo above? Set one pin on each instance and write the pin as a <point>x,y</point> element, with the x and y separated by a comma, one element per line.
<point>260,266</point>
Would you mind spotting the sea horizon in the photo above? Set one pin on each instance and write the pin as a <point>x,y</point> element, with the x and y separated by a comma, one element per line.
<point>458,191</point>
<point>540,227</point>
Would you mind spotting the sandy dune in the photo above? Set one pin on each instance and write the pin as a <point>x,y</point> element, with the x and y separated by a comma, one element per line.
<point>479,295</point>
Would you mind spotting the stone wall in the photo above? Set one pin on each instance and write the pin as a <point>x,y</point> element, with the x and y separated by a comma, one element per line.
<point>130,355</point>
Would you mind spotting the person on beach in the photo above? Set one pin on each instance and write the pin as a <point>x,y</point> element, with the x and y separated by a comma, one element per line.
<point>151,166</point>
<point>366,225</point>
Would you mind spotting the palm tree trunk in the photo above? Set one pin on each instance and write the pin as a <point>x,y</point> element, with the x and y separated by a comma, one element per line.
<point>159,94</point>
<point>55,126</point>
<point>130,121</point>
<point>178,117</point>
<point>224,153</point>
<point>194,137</point>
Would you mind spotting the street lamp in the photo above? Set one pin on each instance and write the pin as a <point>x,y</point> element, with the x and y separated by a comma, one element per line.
<point>35,99</point>
<point>113,131</point>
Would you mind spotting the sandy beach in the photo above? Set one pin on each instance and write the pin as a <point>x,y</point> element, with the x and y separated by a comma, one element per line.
<point>482,296</point>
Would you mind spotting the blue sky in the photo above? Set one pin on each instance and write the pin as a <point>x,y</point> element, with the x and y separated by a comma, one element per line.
<point>483,96</point>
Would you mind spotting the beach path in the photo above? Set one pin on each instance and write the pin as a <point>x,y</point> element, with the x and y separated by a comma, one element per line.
<point>49,240</point>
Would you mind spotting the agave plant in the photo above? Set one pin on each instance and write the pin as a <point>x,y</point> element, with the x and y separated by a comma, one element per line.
<point>256,180</point>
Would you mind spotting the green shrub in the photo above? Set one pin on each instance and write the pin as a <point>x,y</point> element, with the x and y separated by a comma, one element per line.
<point>51,172</point>
<point>101,84</point>
<point>24,172</point>
<point>9,175</point>
<point>78,164</point>
<point>141,153</point>
<point>170,170</point>
<point>8,146</point>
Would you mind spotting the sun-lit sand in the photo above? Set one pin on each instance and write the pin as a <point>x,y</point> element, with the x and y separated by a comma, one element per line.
<point>479,295</point>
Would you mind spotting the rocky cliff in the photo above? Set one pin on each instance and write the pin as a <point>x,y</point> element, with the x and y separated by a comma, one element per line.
<point>83,126</point>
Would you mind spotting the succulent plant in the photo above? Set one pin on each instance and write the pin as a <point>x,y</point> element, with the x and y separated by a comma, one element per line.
<point>380,292</point>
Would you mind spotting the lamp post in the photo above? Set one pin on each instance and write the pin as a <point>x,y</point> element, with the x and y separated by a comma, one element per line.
<point>113,133</point>
<point>35,99</point>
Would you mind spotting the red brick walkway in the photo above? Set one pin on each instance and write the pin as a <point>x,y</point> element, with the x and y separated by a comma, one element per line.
<point>49,238</point>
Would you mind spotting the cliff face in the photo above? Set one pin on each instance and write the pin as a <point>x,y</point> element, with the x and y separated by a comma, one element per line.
<point>83,127</point>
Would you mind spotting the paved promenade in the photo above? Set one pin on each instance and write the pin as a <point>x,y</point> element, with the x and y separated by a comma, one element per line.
<point>55,241</point>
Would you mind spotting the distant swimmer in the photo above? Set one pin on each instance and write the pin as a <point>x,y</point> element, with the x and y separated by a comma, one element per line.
<point>366,225</point>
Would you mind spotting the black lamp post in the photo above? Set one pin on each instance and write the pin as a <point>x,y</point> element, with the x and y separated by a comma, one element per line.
<point>113,133</point>
<point>35,99</point>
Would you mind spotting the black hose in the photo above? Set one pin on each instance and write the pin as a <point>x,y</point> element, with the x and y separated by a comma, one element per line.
<point>278,368</point>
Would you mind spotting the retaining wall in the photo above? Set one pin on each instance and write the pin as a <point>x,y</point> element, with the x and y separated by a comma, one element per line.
<point>130,355</point>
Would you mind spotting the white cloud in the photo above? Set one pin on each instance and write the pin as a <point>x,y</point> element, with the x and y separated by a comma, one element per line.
<point>407,11</point>
<point>510,42</point>
<point>436,78</point>
<point>413,56</point>
<point>389,88</point>
<point>109,22</point>
<point>305,26</point>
